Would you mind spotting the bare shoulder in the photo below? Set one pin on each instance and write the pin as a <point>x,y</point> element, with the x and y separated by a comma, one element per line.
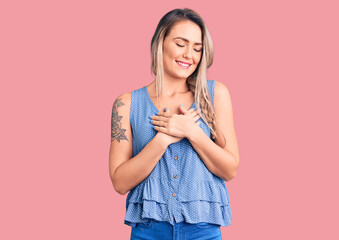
<point>123,99</point>
<point>221,91</point>
<point>122,103</point>
<point>222,100</point>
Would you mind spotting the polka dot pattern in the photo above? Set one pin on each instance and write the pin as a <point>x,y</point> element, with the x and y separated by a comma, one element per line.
<point>180,187</point>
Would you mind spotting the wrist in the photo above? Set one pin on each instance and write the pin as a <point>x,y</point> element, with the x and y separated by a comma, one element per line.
<point>163,143</point>
<point>193,134</point>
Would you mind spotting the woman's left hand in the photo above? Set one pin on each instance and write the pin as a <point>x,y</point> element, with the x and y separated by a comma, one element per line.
<point>178,125</point>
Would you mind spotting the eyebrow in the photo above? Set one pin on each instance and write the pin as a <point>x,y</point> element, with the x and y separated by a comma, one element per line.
<point>184,39</point>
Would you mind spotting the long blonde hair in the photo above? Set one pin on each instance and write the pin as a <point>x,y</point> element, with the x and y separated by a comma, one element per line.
<point>197,81</point>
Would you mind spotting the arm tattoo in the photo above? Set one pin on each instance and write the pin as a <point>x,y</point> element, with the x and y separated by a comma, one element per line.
<point>117,132</point>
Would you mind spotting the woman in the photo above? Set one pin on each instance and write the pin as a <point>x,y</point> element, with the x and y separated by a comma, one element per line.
<point>173,141</point>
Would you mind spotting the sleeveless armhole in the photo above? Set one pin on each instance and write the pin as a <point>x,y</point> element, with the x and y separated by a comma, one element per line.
<point>131,116</point>
<point>212,85</point>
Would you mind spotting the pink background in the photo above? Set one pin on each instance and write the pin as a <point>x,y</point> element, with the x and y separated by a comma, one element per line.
<point>63,63</point>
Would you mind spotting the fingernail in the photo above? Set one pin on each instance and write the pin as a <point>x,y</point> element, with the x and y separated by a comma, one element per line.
<point>151,121</point>
<point>165,109</point>
<point>150,117</point>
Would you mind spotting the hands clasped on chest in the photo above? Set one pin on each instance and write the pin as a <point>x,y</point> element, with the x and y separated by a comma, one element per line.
<point>174,127</point>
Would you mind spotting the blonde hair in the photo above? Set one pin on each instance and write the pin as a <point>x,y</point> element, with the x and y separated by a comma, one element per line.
<point>197,81</point>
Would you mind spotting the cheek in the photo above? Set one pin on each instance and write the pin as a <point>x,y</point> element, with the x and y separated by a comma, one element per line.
<point>170,56</point>
<point>197,59</point>
<point>168,61</point>
<point>199,55</point>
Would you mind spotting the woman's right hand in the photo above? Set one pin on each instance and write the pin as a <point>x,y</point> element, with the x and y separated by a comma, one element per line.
<point>167,138</point>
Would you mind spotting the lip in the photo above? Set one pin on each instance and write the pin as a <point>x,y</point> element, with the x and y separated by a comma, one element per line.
<point>189,64</point>
<point>184,67</point>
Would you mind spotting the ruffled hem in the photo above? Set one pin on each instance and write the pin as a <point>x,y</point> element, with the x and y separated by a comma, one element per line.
<point>204,211</point>
<point>213,191</point>
<point>209,203</point>
<point>137,212</point>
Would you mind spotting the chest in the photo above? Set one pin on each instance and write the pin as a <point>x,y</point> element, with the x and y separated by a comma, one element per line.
<point>143,106</point>
<point>173,103</point>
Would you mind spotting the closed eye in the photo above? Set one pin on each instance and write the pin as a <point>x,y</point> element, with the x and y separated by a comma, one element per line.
<point>183,46</point>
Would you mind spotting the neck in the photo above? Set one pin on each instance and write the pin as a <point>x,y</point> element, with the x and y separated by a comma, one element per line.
<point>172,86</point>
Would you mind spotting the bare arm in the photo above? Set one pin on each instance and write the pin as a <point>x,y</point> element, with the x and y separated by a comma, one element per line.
<point>130,173</point>
<point>221,158</point>
<point>219,161</point>
<point>126,171</point>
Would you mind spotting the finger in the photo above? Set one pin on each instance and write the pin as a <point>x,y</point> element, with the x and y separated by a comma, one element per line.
<point>159,123</point>
<point>160,113</point>
<point>195,113</point>
<point>196,118</point>
<point>159,118</point>
<point>182,109</point>
<point>167,112</point>
<point>160,129</point>
<point>190,110</point>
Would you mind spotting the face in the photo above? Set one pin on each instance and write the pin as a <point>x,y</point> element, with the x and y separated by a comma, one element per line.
<point>182,50</point>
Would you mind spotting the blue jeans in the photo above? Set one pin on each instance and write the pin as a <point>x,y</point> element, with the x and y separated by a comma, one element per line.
<point>158,230</point>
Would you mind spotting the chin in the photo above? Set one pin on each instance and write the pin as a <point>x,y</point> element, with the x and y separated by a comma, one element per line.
<point>183,76</point>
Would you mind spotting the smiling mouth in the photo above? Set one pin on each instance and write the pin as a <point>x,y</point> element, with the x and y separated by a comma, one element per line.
<point>183,65</point>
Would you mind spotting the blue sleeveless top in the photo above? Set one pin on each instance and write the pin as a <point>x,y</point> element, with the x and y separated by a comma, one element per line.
<point>180,187</point>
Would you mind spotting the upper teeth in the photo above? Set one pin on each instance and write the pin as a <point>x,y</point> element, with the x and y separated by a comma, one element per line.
<point>184,64</point>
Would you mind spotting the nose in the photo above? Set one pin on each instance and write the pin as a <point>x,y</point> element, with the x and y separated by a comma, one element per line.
<point>188,53</point>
